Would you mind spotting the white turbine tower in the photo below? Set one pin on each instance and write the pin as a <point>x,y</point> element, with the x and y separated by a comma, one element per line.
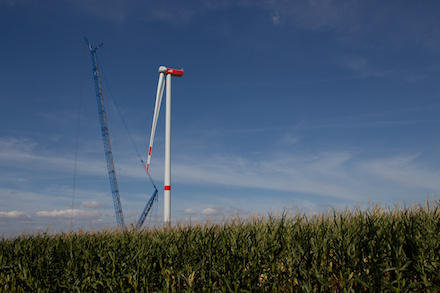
<point>167,176</point>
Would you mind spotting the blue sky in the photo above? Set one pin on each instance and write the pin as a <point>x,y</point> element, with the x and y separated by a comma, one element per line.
<point>295,105</point>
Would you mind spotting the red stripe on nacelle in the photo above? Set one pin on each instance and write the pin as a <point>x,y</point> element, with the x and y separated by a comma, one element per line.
<point>167,188</point>
<point>175,72</point>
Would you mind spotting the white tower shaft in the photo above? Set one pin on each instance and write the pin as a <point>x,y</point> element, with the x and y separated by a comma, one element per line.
<point>167,175</point>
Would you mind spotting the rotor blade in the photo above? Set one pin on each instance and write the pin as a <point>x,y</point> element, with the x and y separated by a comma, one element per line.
<point>159,94</point>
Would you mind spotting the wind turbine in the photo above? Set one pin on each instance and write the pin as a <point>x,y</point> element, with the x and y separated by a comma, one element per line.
<point>168,72</point>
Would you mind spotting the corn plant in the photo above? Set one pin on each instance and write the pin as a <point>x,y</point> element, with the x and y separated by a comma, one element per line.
<point>370,250</point>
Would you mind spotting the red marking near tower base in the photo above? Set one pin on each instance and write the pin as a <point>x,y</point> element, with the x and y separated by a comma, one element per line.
<point>167,188</point>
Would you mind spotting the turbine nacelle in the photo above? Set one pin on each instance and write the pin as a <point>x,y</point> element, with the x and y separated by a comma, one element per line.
<point>173,72</point>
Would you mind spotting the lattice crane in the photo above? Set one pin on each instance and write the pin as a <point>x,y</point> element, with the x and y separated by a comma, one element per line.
<point>106,137</point>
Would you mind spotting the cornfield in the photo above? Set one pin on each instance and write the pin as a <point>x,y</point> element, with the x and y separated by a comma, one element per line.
<point>371,250</point>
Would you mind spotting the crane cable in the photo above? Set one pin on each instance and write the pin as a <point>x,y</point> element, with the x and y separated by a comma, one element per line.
<point>77,137</point>
<point>125,125</point>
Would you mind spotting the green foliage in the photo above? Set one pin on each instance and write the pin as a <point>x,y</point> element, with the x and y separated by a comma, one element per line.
<point>352,251</point>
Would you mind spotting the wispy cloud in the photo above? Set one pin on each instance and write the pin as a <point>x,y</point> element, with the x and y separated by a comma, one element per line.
<point>320,174</point>
<point>215,211</point>
<point>397,117</point>
<point>189,212</point>
<point>131,213</point>
<point>14,215</point>
<point>113,10</point>
<point>337,175</point>
<point>276,18</point>
<point>92,204</point>
<point>69,213</point>
<point>356,22</point>
<point>362,67</point>
<point>359,65</point>
<point>403,170</point>
<point>318,14</point>
<point>22,153</point>
<point>174,12</point>
<point>389,21</point>
<point>333,174</point>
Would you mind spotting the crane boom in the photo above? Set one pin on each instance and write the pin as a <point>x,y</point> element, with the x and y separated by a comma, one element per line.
<point>146,210</point>
<point>106,137</point>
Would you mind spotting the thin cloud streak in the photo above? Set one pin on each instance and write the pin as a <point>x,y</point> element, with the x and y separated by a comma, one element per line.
<point>217,211</point>
<point>352,20</point>
<point>404,171</point>
<point>14,215</point>
<point>92,204</point>
<point>338,174</point>
<point>320,175</point>
<point>189,211</point>
<point>22,154</point>
<point>69,213</point>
